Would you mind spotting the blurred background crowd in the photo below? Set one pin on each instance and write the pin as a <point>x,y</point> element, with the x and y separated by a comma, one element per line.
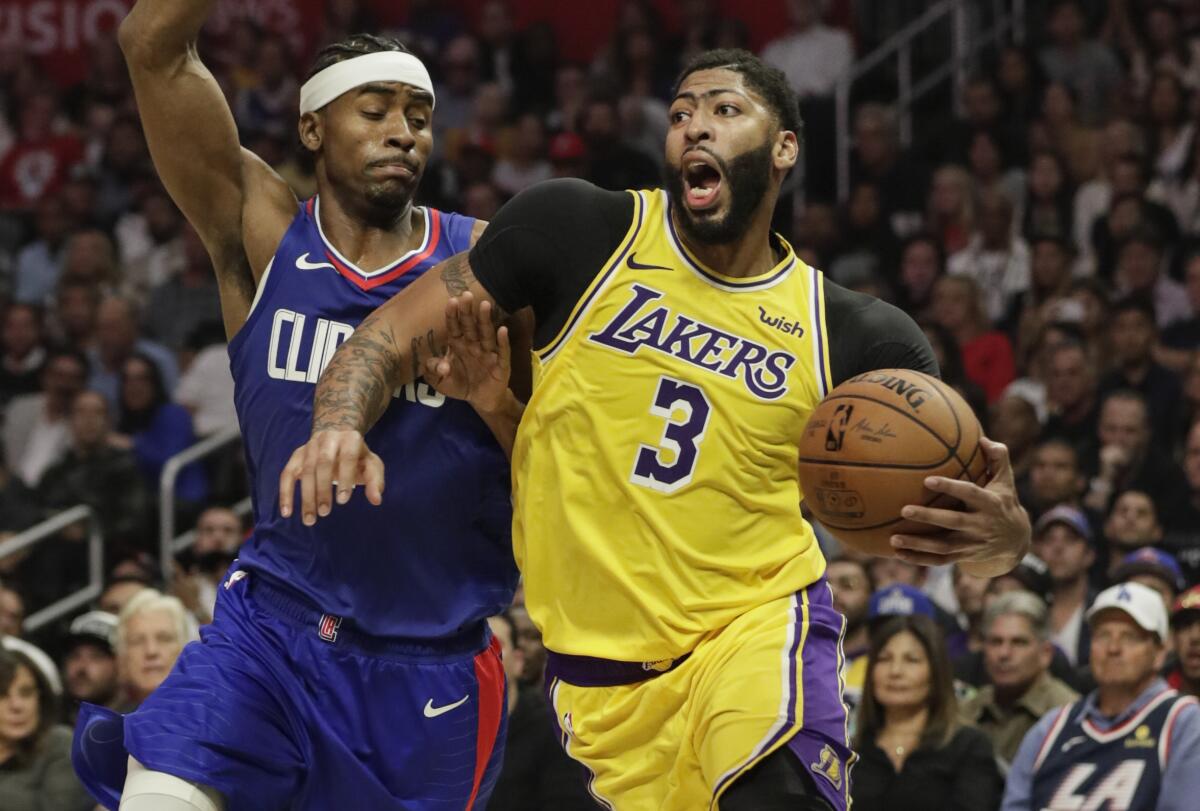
<point>1042,224</point>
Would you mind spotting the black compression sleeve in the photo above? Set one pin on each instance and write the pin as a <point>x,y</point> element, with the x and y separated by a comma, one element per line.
<point>546,245</point>
<point>866,334</point>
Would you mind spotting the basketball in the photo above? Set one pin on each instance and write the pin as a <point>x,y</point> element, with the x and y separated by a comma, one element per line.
<point>869,445</point>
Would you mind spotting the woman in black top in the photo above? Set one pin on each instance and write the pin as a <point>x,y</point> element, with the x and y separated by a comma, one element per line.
<point>914,755</point>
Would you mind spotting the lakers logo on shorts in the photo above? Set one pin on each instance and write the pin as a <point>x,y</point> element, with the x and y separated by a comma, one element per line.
<point>828,766</point>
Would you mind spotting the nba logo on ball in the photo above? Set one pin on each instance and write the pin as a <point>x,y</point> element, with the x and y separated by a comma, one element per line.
<point>837,428</point>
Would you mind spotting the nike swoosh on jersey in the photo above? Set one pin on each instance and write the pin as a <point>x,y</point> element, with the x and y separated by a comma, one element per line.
<point>303,264</point>
<point>433,712</point>
<point>636,265</point>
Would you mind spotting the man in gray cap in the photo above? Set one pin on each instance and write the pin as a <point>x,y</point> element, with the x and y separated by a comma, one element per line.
<point>1063,538</point>
<point>1133,742</point>
<point>90,663</point>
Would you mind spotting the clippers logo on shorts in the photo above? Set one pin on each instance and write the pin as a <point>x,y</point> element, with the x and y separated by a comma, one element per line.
<point>327,629</point>
<point>837,428</point>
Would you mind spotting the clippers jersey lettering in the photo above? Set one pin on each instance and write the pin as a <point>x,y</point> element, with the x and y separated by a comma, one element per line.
<point>656,491</point>
<point>436,556</point>
<point>1080,767</point>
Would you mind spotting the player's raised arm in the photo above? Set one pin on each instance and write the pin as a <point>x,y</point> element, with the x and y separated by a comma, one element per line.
<point>194,143</point>
<point>189,127</point>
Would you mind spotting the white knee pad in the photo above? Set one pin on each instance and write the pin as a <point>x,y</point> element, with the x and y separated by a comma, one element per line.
<point>146,790</point>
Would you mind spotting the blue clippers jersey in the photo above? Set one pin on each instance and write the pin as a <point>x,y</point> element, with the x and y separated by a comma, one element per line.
<point>437,554</point>
<point>1080,766</point>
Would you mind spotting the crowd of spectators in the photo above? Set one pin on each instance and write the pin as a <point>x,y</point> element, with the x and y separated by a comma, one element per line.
<point>1043,227</point>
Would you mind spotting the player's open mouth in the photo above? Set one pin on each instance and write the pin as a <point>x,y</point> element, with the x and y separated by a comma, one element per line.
<point>701,181</point>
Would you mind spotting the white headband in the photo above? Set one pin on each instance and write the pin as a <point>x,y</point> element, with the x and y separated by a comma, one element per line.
<point>383,66</point>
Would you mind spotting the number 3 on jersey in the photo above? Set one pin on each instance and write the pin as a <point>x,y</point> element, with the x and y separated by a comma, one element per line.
<point>670,465</point>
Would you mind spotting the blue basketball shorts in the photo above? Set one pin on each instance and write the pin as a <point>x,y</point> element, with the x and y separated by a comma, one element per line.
<point>279,706</point>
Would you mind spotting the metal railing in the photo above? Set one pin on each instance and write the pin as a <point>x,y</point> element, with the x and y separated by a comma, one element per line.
<point>48,529</point>
<point>1008,16</point>
<point>168,543</point>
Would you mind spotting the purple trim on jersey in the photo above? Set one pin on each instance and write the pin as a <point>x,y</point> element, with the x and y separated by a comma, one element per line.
<point>815,292</point>
<point>750,284</point>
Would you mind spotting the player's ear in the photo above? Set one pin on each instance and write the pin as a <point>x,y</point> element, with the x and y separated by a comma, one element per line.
<point>786,151</point>
<point>312,131</point>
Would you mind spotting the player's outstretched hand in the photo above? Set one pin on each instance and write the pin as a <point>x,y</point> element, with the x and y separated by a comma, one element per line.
<point>987,538</point>
<point>330,458</point>
<point>478,360</point>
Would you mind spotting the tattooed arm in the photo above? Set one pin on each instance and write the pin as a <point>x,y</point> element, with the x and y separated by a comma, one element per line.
<point>390,348</point>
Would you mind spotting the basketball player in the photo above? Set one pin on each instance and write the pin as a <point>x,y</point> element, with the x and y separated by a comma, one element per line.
<point>694,648</point>
<point>350,665</point>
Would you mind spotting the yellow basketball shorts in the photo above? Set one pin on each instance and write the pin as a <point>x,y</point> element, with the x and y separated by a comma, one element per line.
<point>676,740</point>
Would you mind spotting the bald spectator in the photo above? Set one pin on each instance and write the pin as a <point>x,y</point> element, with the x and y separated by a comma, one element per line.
<point>36,432</point>
<point>1064,539</point>
<point>1017,655</point>
<point>117,340</point>
<point>1133,335</point>
<point>152,631</point>
<point>1131,743</point>
<point>536,773</point>
<point>95,473</point>
<point>1184,674</point>
<point>1084,64</point>
<point>1126,458</point>
<point>1071,394</point>
<point>995,257</point>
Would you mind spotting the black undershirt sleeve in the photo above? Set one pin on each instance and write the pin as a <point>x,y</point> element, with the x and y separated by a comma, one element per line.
<point>546,245</point>
<point>867,334</point>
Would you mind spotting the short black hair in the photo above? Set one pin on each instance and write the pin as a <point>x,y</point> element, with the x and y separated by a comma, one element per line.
<point>766,81</point>
<point>1135,303</point>
<point>352,46</point>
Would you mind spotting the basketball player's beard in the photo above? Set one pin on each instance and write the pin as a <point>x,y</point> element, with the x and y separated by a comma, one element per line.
<point>747,176</point>
<point>390,198</point>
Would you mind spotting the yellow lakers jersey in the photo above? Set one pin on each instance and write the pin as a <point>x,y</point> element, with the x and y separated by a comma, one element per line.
<point>656,495</point>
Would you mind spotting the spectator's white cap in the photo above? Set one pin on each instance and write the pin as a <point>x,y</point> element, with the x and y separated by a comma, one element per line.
<point>1142,603</point>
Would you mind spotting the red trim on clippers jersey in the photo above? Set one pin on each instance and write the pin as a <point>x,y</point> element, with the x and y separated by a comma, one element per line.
<point>308,205</point>
<point>435,225</point>
<point>1169,727</point>
<point>490,674</point>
